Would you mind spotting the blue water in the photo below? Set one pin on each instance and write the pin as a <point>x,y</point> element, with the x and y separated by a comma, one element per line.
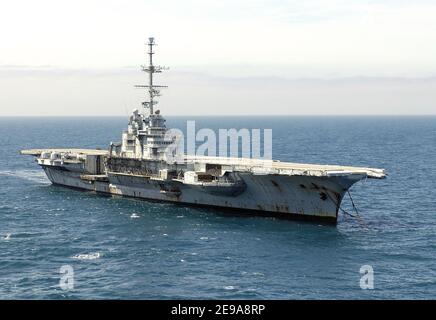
<point>131,249</point>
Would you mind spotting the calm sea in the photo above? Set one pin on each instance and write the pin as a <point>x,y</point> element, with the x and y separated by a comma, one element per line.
<point>131,249</point>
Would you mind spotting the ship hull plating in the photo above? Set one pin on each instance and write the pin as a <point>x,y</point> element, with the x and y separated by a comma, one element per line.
<point>314,198</point>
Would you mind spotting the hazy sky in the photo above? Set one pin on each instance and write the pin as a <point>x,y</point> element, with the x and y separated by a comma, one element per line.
<point>226,57</point>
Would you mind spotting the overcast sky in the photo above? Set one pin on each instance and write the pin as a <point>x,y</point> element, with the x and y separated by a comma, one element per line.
<point>226,57</point>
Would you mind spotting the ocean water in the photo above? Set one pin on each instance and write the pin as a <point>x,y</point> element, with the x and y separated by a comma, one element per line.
<point>132,249</point>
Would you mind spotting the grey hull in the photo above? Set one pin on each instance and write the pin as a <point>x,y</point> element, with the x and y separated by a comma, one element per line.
<point>307,197</point>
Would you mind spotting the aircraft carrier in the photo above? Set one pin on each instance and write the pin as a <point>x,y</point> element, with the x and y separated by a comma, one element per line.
<point>140,166</point>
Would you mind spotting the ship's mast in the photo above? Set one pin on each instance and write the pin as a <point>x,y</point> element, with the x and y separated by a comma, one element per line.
<point>151,69</point>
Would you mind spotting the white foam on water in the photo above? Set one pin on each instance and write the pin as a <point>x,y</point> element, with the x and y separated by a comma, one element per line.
<point>208,238</point>
<point>54,209</point>
<point>229,288</point>
<point>87,256</point>
<point>37,176</point>
<point>134,216</point>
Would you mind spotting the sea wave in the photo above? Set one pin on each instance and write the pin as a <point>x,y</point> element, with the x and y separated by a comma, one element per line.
<point>87,256</point>
<point>37,176</point>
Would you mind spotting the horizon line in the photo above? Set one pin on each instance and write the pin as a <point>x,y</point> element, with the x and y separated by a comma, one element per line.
<point>229,115</point>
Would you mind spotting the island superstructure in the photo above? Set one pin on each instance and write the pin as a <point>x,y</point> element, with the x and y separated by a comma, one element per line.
<point>141,167</point>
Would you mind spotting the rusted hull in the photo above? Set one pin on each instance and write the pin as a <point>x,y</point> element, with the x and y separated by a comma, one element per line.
<point>313,198</point>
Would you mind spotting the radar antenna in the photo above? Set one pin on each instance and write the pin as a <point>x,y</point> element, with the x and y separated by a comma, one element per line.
<point>153,90</point>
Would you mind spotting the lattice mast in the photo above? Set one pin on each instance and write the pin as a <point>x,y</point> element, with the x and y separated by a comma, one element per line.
<point>153,90</point>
